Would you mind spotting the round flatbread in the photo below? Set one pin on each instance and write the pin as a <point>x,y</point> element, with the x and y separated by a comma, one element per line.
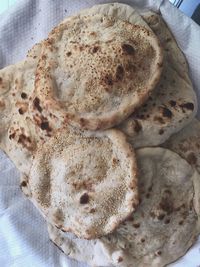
<point>165,224</point>
<point>24,119</point>
<point>85,184</point>
<point>94,70</point>
<point>186,143</point>
<point>173,103</point>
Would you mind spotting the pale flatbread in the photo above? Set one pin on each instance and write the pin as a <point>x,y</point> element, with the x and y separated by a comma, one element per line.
<point>173,103</point>
<point>165,224</point>
<point>116,10</point>
<point>94,70</point>
<point>173,53</point>
<point>187,143</point>
<point>83,183</point>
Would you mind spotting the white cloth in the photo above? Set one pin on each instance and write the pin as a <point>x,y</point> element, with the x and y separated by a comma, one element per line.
<point>23,236</point>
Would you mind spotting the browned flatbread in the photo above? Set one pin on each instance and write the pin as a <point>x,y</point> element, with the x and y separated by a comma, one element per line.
<point>83,183</point>
<point>173,103</point>
<point>94,70</point>
<point>18,134</point>
<point>122,55</point>
<point>25,119</point>
<point>187,143</point>
<point>165,224</point>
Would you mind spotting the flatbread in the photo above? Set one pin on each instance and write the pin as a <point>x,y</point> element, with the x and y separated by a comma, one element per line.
<point>5,103</point>
<point>20,130</point>
<point>173,53</point>
<point>164,226</point>
<point>25,120</point>
<point>83,183</point>
<point>20,136</point>
<point>94,70</point>
<point>116,10</point>
<point>186,143</point>
<point>173,103</point>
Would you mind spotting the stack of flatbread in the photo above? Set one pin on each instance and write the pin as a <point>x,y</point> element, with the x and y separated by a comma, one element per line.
<point>100,121</point>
